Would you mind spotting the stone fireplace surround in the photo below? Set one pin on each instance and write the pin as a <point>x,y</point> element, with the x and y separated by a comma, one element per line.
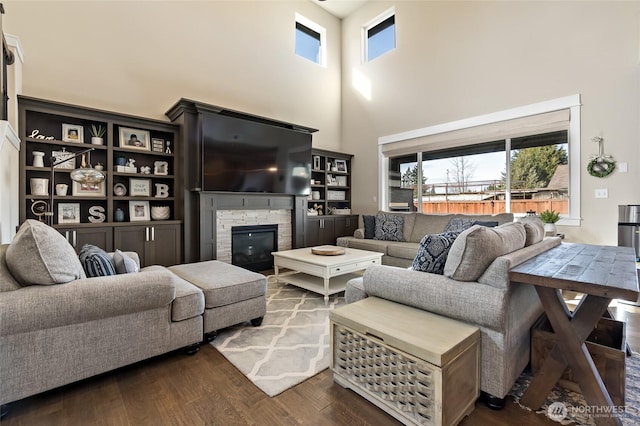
<point>219,212</point>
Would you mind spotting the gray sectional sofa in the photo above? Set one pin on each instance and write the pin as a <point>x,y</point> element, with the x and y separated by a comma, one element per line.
<point>415,226</point>
<point>475,288</point>
<point>57,326</point>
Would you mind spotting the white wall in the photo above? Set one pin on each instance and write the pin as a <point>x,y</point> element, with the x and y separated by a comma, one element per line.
<point>140,57</point>
<point>456,60</point>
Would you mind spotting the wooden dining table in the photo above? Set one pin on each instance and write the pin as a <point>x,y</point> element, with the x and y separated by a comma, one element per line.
<point>601,273</point>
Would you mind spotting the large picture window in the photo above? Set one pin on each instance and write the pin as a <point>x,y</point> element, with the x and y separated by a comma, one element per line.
<point>516,161</point>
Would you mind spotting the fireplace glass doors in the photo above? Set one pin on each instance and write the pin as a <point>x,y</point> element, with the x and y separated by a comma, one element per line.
<point>251,246</point>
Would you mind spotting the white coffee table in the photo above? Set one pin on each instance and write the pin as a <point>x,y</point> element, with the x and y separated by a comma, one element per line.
<point>325,275</point>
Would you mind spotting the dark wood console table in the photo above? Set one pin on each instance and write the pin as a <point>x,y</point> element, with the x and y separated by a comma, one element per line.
<point>602,273</point>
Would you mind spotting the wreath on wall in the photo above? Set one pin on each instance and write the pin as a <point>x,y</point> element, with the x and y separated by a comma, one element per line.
<point>601,165</point>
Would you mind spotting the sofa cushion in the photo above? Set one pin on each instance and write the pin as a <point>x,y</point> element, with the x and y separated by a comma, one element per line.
<point>429,224</point>
<point>96,262</point>
<point>389,227</point>
<point>402,250</point>
<point>369,226</point>
<point>459,224</point>
<point>39,254</point>
<point>433,251</point>
<point>189,299</point>
<point>364,244</point>
<point>534,228</point>
<point>124,264</point>
<point>487,223</point>
<point>7,281</point>
<point>474,249</point>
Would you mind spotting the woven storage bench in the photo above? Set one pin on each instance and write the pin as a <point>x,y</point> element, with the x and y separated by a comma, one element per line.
<point>419,367</point>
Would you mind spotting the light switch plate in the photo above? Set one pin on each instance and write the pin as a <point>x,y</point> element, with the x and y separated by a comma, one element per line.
<point>602,193</point>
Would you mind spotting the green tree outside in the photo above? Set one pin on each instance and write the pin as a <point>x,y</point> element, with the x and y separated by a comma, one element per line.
<point>534,167</point>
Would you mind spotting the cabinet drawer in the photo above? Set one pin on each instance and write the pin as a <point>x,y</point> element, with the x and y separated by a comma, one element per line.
<point>343,269</point>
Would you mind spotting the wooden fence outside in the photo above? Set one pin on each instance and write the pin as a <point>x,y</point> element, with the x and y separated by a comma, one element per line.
<point>495,206</point>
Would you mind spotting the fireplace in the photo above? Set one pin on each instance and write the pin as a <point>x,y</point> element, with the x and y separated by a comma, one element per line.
<point>251,246</point>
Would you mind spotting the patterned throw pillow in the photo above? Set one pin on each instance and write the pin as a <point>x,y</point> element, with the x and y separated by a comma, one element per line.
<point>123,263</point>
<point>96,262</point>
<point>433,251</point>
<point>459,224</point>
<point>389,227</point>
<point>369,226</point>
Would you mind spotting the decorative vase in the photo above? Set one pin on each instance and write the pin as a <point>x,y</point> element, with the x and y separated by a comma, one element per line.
<point>160,212</point>
<point>550,229</point>
<point>61,189</point>
<point>39,186</point>
<point>97,140</point>
<point>38,159</point>
<point>118,216</point>
<point>121,161</point>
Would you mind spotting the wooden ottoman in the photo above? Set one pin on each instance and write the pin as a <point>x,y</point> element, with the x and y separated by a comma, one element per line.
<point>419,367</point>
<point>232,295</point>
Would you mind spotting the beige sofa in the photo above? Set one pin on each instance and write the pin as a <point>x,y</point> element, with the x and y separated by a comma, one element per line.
<point>416,226</point>
<point>57,326</point>
<point>475,289</point>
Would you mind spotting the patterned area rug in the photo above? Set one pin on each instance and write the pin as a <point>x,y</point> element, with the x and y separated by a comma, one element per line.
<point>569,407</point>
<point>291,345</point>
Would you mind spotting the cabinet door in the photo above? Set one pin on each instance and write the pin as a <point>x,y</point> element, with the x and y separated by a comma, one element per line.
<point>164,246</point>
<point>327,231</point>
<point>133,238</point>
<point>77,237</point>
<point>312,232</point>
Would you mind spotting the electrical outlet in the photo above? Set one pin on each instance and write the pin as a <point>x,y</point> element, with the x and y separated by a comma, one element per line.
<point>602,193</point>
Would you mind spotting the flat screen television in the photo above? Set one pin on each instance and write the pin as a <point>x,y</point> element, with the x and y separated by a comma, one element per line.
<point>241,155</point>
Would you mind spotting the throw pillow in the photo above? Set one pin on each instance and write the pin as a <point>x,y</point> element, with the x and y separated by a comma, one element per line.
<point>389,227</point>
<point>40,255</point>
<point>369,226</point>
<point>534,228</point>
<point>488,224</point>
<point>458,224</point>
<point>474,250</point>
<point>123,263</point>
<point>96,262</point>
<point>433,251</point>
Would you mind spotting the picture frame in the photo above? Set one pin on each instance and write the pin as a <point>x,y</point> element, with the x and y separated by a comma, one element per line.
<point>157,145</point>
<point>316,162</point>
<point>72,133</point>
<point>68,212</point>
<point>139,211</point>
<point>62,155</point>
<point>84,190</point>
<point>341,165</point>
<point>135,139</point>
<point>139,187</point>
<point>161,168</point>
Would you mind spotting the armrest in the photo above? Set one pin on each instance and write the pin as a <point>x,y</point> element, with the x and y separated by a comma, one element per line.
<point>42,307</point>
<point>359,233</point>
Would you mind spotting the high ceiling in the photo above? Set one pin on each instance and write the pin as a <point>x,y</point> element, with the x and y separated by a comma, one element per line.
<point>340,8</point>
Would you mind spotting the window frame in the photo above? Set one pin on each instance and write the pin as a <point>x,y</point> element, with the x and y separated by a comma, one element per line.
<point>371,25</point>
<point>571,103</point>
<point>312,26</point>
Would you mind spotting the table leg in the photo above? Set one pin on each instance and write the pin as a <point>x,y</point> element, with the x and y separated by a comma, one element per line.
<point>326,291</point>
<point>275,269</point>
<point>571,332</point>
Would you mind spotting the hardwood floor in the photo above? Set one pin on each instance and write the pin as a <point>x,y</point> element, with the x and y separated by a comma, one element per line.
<point>205,389</point>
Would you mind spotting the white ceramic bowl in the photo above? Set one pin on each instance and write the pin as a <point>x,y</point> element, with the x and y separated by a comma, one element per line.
<point>160,212</point>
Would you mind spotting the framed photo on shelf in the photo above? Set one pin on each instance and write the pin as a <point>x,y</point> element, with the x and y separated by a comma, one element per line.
<point>341,165</point>
<point>139,211</point>
<point>157,145</point>
<point>72,133</point>
<point>316,162</point>
<point>135,139</point>
<point>161,168</point>
<point>140,187</point>
<point>87,190</point>
<point>64,155</point>
<point>68,212</point>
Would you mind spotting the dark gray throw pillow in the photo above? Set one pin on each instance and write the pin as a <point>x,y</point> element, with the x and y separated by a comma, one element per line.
<point>488,224</point>
<point>433,251</point>
<point>389,227</point>
<point>96,262</point>
<point>369,226</point>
